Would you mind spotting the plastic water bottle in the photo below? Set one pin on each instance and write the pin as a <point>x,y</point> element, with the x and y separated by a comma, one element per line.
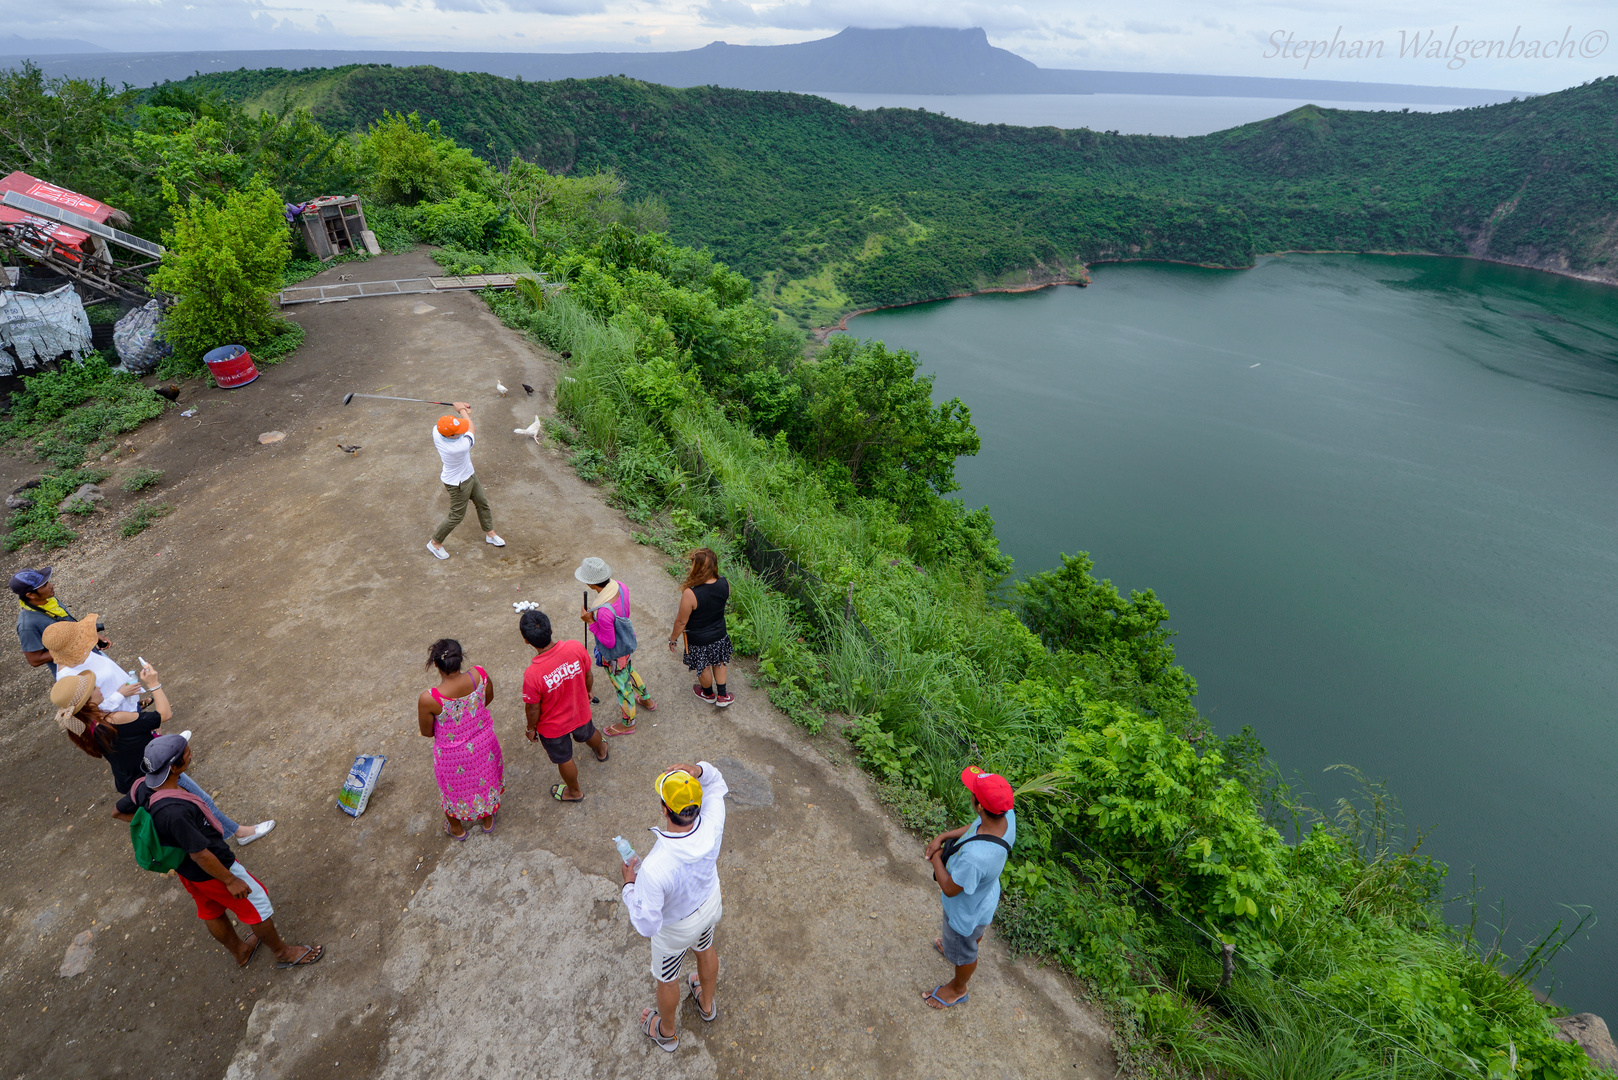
<point>625,852</point>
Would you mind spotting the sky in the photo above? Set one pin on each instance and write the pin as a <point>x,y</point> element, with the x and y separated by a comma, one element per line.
<point>1539,46</point>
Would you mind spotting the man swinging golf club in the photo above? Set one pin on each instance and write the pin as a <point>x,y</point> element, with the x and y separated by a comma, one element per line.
<point>454,438</point>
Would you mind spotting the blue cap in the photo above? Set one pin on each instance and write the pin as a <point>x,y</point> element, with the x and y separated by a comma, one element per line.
<point>28,580</point>
<point>162,754</point>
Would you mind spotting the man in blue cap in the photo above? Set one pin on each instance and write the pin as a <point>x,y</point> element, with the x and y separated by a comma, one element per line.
<point>38,608</point>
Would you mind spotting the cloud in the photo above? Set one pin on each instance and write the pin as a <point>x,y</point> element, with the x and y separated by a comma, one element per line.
<point>557,7</point>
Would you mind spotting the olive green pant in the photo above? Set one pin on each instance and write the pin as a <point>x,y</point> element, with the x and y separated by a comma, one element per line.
<point>458,496</point>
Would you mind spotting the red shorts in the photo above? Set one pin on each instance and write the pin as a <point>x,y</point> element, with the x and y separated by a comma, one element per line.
<point>213,899</point>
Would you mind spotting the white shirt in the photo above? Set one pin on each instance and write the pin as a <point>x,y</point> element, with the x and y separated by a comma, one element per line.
<point>109,677</point>
<point>457,455</point>
<point>681,871</point>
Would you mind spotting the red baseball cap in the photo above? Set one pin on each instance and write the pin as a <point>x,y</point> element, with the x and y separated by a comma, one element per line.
<point>992,790</point>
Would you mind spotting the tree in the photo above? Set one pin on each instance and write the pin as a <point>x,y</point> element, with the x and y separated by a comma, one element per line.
<point>562,212</point>
<point>871,418</point>
<point>224,262</point>
<point>1069,609</point>
<point>410,162</point>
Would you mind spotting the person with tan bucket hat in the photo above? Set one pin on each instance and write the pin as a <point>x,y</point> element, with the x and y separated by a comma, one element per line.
<point>72,644</point>
<point>121,738</point>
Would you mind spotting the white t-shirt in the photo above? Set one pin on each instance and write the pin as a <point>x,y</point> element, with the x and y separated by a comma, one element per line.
<point>457,455</point>
<point>109,677</point>
<point>681,871</point>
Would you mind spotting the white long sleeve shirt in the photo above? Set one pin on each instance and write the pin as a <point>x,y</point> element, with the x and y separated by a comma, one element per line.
<point>681,871</point>
<point>109,677</point>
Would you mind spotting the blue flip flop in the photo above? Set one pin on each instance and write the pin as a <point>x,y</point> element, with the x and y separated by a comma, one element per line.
<point>942,1004</point>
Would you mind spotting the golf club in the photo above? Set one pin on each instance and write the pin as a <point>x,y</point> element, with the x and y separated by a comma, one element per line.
<point>384,397</point>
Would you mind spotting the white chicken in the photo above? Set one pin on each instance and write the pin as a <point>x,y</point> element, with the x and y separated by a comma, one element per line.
<point>532,430</point>
<point>500,386</point>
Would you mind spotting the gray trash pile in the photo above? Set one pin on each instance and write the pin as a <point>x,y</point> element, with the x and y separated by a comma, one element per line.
<point>137,341</point>
<point>39,327</point>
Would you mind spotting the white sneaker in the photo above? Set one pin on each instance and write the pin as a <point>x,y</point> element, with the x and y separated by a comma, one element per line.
<point>438,552</point>
<point>262,829</point>
<point>495,540</point>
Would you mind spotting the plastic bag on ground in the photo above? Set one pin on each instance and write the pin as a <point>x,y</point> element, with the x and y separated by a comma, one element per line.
<point>362,778</point>
<point>136,338</point>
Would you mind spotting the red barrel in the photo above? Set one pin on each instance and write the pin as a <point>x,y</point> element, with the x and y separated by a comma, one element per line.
<point>231,366</point>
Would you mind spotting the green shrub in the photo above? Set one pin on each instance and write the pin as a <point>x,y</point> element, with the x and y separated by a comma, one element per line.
<point>68,413</point>
<point>142,517</point>
<point>225,261</point>
<point>141,479</point>
<point>41,523</point>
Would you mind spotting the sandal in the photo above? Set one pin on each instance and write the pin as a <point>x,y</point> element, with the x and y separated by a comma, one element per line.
<point>623,727</point>
<point>489,828</point>
<point>452,836</point>
<point>556,793</point>
<point>604,755</point>
<point>693,984</point>
<point>250,952</point>
<point>942,1004</point>
<point>649,1018</point>
<point>311,955</point>
<point>648,704</point>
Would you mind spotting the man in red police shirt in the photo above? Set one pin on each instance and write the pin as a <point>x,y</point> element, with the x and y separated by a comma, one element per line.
<point>556,700</point>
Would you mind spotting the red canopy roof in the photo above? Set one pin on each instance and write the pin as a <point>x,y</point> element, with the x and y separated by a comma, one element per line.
<point>64,235</point>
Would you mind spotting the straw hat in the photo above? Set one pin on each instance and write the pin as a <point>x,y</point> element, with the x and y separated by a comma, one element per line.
<point>70,642</point>
<point>69,695</point>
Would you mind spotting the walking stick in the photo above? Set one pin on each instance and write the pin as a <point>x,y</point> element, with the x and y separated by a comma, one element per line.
<point>593,699</point>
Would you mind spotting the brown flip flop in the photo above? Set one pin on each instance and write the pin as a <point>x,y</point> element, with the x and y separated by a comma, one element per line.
<point>250,952</point>
<point>311,955</point>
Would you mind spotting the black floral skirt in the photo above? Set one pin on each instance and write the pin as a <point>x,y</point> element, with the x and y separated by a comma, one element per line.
<point>698,657</point>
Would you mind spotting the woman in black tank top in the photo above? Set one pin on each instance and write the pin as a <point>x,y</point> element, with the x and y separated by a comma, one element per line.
<point>701,619</point>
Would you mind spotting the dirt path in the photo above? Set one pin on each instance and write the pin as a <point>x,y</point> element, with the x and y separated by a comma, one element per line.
<point>288,603</point>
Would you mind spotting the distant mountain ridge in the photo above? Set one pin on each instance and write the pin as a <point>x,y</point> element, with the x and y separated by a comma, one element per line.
<point>11,44</point>
<point>913,60</point>
<point>830,208</point>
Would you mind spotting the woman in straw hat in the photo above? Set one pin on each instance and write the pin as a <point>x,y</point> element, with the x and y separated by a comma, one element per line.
<point>121,737</point>
<point>72,644</point>
<point>614,650</point>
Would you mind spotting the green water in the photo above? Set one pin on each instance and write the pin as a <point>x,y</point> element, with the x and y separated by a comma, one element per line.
<point>1379,496</point>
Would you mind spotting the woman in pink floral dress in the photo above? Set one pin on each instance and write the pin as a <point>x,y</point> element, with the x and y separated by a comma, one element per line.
<point>466,753</point>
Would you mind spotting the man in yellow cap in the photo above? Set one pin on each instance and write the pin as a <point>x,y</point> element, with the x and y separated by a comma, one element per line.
<point>673,896</point>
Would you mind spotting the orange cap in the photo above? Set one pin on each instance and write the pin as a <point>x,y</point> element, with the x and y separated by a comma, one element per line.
<point>451,426</point>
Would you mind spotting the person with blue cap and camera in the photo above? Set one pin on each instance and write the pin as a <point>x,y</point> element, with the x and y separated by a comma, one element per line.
<point>37,608</point>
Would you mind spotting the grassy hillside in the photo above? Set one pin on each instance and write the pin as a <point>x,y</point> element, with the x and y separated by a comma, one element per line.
<point>829,207</point>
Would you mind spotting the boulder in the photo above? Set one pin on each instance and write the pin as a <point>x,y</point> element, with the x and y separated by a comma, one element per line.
<point>88,495</point>
<point>1590,1032</point>
<point>18,502</point>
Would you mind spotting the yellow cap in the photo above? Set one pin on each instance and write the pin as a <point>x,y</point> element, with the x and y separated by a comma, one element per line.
<point>679,790</point>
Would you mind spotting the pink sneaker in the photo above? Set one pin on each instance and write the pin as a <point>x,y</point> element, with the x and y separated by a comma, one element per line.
<point>705,695</point>
<point>724,699</point>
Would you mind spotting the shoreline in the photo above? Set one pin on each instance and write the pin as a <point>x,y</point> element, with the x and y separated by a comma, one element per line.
<point>820,333</point>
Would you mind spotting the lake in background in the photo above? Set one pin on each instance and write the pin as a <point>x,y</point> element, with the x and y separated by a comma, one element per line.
<point>1379,496</point>
<point>1129,114</point>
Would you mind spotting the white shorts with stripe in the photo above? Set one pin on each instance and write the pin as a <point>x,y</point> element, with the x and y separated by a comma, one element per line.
<point>675,939</point>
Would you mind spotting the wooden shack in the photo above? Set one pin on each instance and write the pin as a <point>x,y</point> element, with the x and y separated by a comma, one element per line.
<point>333,224</point>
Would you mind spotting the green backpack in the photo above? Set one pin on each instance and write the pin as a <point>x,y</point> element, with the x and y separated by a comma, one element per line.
<point>150,852</point>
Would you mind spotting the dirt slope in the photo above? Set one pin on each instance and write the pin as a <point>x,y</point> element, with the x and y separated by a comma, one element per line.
<point>288,603</point>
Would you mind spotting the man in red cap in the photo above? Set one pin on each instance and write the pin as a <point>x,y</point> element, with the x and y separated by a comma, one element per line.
<point>966,864</point>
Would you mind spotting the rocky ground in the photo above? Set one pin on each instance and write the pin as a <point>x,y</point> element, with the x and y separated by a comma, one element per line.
<point>288,603</point>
